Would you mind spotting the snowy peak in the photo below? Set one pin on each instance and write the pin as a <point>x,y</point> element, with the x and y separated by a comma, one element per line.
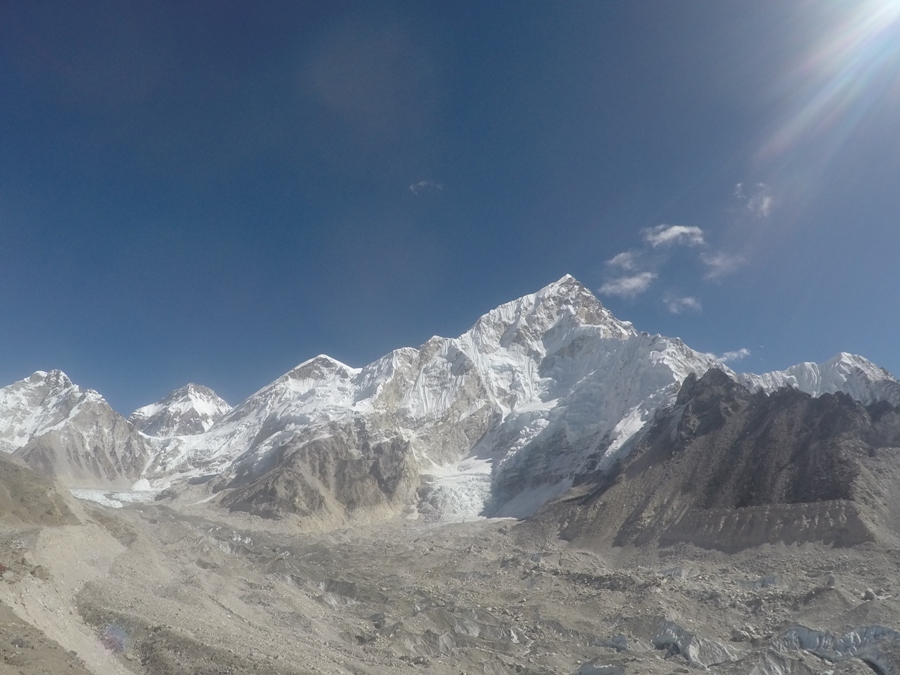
<point>192,409</point>
<point>321,368</point>
<point>539,390</point>
<point>525,321</point>
<point>40,402</point>
<point>62,430</point>
<point>848,373</point>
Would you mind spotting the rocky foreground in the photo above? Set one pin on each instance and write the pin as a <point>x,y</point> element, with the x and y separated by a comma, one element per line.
<point>169,589</point>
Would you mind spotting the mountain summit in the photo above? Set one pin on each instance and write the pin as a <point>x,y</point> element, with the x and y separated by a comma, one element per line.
<point>538,395</point>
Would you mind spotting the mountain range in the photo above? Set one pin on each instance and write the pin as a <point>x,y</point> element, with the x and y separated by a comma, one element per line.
<point>542,396</point>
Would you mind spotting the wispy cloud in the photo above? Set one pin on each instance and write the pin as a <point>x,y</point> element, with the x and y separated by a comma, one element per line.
<point>629,286</point>
<point>678,305</point>
<point>627,260</point>
<point>719,264</point>
<point>758,199</point>
<point>761,205</point>
<point>425,186</point>
<point>730,357</point>
<point>671,235</point>
<point>633,271</point>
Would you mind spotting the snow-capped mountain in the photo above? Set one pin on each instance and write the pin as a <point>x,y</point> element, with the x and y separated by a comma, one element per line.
<point>192,409</point>
<point>70,433</point>
<point>502,417</point>
<point>35,405</point>
<point>851,374</point>
<point>540,391</point>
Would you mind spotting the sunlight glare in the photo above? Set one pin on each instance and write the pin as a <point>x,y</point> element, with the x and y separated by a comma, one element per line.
<point>847,75</point>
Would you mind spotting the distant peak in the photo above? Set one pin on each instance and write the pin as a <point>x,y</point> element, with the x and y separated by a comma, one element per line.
<point>847,357</point>
<point>324,360</point>
<point>861,363</point>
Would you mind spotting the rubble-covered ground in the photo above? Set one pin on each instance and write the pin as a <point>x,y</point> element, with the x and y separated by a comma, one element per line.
<point>154,590</point>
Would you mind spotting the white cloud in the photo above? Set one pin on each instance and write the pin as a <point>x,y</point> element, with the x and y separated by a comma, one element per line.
<point>761,205</point>
<point>720,264</point>
<point>425,186</point>
<point>677,305</point>
<point>669,235</point>
<point>760,202</point>
<point>628,287</point>
<point>627,260</point>
<point>728,357</point>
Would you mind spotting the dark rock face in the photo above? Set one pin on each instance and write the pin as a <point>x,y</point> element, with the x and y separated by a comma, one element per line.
<point>728,469</point>
<point>788,448</point>
<point>332,479</point>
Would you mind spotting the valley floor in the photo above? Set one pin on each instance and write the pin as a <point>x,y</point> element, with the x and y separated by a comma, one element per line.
<point>154,591</point>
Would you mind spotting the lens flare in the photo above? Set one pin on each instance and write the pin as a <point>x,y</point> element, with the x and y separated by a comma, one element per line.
<point>848,75</point>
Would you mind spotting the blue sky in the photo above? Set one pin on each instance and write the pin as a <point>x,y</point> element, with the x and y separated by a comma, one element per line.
<point>217,191</point>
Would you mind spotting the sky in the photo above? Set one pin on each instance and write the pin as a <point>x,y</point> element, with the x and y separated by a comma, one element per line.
<point>215,191</point>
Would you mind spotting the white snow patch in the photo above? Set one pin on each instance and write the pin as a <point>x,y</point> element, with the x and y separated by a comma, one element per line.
<point>98,496</point>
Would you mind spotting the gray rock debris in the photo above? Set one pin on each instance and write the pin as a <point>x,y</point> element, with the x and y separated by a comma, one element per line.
<point>699,651</point>
<point>591,669</point>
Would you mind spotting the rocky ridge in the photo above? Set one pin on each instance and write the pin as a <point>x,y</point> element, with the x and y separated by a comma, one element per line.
<point>729,469</point>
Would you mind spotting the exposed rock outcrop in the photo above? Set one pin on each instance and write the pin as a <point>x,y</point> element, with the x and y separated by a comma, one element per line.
<point>346,475</point>
<point>729,469</point>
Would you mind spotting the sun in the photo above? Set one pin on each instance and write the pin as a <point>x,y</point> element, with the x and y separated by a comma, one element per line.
<point>854,66</point>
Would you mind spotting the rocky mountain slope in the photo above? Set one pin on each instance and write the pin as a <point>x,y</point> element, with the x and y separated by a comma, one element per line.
<point>729,469</point>
<point>192,409</point>
<point>152,590</point>
<point>70,433</point>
